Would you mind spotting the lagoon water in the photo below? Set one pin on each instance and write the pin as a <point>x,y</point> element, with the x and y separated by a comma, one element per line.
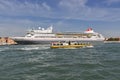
<point>39,62</point>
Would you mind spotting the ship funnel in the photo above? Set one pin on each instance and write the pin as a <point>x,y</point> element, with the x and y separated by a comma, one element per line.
<point>89,30</point>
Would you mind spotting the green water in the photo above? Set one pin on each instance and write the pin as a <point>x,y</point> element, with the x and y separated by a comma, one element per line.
<point>39,62</point>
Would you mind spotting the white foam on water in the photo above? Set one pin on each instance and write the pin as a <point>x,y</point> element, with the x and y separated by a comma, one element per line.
<point>1,50</point>
<point>30,48</point>
<point>4,49</point>
<point>34,47</point>
<point>25,47</point>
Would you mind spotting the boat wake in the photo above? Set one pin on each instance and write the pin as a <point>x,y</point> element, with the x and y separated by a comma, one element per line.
<point>24,48</point>
<point>4,49</point>
<point>29,48</point>
<point>34,47</point>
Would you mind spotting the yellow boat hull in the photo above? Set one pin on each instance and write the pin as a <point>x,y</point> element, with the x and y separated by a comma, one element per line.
<point>69,46</point>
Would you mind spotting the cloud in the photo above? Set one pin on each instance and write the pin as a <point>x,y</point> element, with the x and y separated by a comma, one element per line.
<point>46,6</point>
<point>73,4</point>
<point>18,15</point>
<point>109,2</point>
<point>78,9</point>
<point>66,9</point>
<point>17,8</point>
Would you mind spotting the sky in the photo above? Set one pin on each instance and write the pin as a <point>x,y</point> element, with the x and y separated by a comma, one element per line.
<point>17,16</point>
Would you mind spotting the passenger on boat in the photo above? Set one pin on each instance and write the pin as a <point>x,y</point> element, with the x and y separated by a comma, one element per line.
<point>69,43</point>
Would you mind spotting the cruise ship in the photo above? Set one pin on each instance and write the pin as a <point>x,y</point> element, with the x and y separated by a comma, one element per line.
<point>46,36</point>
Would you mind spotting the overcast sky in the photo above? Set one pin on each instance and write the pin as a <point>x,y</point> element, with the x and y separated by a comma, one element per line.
<point>16,16</point>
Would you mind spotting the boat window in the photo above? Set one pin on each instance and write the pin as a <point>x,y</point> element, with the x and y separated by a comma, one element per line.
<point>57,44</point>
<point>61,44</point>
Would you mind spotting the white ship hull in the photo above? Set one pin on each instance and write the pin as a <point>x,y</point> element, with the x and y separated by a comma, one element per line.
<point>24,40</point>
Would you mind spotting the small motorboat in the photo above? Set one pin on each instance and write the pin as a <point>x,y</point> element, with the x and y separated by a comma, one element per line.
<point>69,44</point>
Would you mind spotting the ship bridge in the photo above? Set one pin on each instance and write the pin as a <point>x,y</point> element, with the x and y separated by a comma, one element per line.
<point>40,30</point>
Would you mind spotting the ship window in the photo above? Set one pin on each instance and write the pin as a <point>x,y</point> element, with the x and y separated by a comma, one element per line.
<point>28,36</point>
<point>94,35</point>
<point>32,34</point>
<point>99,36</point>
<point>44,37</point>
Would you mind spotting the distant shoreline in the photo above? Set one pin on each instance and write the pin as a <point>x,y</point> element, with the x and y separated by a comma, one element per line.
<point>7,41</point>
<point>111,41</point>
